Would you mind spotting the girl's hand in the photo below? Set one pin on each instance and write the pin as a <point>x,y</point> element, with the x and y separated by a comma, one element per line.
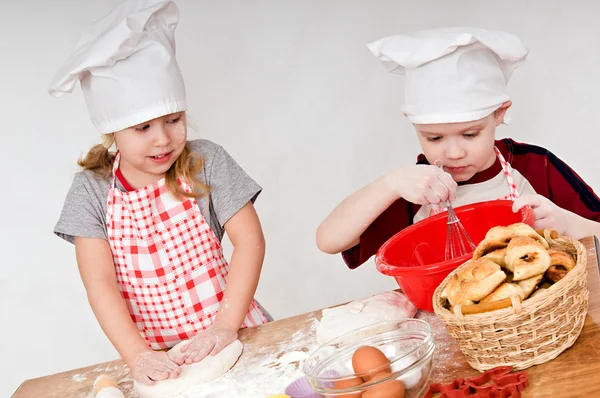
<point>150,366</point>
<point>210,341</point>
<point>547,214</point>
<point>421,184</point>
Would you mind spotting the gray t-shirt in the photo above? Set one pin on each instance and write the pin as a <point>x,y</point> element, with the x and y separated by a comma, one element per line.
<point>84,210</point>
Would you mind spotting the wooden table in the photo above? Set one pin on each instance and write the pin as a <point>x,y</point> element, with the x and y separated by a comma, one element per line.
<point>572,374</point>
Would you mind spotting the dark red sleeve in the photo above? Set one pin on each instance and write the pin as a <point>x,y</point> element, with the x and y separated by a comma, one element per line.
<point>552,178</point>
<point>395,218</point>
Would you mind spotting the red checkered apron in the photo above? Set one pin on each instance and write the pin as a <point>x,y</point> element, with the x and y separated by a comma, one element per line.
<point>169,263</point>
<point>507,170</point>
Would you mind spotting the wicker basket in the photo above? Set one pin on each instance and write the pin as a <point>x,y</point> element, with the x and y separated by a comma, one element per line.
<point>534,332</point>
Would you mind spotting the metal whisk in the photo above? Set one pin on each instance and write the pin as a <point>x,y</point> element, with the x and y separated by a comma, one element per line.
<point>458,242</point>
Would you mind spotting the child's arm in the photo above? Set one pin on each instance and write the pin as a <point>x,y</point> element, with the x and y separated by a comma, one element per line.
<point>246,235</point>
<point>421,184</point>
<point>342,229</point>
<point>549,215</point>
<point>564,201</point>
<point>96,267</point>
<point>579,227</point>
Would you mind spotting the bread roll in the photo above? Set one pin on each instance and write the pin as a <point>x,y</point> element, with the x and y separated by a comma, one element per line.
<point>503,291</point>
<point>488,246</point>
<point>522,229</point>
<point>526,257</point>
<point>528,285</point>
<point>498,256</point>
<point>500,234</point>
<point>560,264</point>
<point>474,282</point>
<point>540,290</point>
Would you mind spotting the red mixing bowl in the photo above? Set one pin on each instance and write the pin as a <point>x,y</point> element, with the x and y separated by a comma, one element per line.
<point>415,255</point>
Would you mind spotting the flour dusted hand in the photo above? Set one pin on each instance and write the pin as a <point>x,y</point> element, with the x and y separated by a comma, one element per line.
<point>421,184</point>
<point>151,366</point>
<point>210,341</point>
<point>193,375</point>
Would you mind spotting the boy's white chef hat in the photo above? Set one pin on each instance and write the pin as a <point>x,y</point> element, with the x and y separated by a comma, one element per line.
<point>452,74</point>
<point>126,65</point>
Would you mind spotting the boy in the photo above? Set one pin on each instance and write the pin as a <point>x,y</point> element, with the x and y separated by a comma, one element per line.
<point>455,94</point>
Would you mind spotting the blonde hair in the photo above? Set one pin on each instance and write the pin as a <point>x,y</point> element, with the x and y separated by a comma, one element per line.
<point>100,160</point>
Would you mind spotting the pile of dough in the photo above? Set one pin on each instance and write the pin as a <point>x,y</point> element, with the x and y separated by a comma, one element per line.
<point>207,369</point>
<point>378,308</point>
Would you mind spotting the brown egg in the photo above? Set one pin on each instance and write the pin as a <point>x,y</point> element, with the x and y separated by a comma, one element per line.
<point>367,359</point>
<point>353,382</point>
<point>343,384</point>
<point>389,389</point>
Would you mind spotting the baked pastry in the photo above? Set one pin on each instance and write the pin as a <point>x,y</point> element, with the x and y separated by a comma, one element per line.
<point>487,246</point>
<point>498,256</point>
<point>474,282</point>
<point>541,289</point>
<point>522,229</point>
<point>526,257</point>
<point>560,264</point>
<point>528,285</point>
<point>503,291</point>
<point>501,234</point>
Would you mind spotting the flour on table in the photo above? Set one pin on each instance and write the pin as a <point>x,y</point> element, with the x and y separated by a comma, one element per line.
<point>262,371</point>
<point>378,308</point>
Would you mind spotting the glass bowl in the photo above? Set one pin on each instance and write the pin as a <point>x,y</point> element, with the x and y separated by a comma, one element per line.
<point>407,343</point>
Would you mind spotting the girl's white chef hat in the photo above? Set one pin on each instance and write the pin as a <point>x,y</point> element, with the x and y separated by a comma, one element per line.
<point>126,65</point>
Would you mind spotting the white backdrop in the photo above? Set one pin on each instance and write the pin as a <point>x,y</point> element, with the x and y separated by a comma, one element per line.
<point>291,91</point>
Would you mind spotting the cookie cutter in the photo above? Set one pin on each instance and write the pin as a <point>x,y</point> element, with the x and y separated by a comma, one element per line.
<point>497,382</point>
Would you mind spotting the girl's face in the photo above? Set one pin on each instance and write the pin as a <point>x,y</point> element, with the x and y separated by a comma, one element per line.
<point>464,148</point>
<point>149,149</point>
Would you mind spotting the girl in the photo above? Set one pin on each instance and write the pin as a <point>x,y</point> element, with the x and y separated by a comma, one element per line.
<point>455,97</point>
<point>147,219</point>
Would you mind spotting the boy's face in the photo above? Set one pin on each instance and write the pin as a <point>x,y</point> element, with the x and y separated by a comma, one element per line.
<point>464,148</point>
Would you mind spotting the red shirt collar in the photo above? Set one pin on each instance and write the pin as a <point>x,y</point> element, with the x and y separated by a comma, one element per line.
<point>123,181</point>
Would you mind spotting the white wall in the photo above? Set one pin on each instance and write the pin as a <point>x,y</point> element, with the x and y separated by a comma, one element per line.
<point>291,91</point>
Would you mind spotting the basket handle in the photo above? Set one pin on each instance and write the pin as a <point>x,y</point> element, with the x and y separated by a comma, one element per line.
<point>550,234</point>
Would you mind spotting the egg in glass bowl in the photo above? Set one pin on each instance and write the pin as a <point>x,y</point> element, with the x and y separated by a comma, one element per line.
<point>391,359</point>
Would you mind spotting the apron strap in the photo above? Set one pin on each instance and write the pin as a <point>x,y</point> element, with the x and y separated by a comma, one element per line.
<point>507,170</point>
<point>115,168</point>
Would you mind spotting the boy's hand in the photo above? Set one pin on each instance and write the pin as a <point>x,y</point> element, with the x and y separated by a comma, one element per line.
<point>150,366</point>
<point>547,214</point>
<point>421,184</point>
<point>210,341</point>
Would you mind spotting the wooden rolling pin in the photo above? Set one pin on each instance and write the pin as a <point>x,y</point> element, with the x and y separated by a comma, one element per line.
<point>106,387</point>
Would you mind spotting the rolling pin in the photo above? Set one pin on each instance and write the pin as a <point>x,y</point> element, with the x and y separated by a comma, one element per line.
<point>106,387</point>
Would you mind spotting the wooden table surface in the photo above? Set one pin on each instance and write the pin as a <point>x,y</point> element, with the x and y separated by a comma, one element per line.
<point>572,374</point>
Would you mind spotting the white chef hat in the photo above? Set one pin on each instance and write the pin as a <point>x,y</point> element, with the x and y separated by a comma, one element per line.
<point>126,65</point>
<point>452,74</point>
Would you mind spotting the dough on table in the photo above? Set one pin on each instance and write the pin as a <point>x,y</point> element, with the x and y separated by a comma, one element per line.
<point>110,392</point>
<point>378,308</point>
<point>206,370</point>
